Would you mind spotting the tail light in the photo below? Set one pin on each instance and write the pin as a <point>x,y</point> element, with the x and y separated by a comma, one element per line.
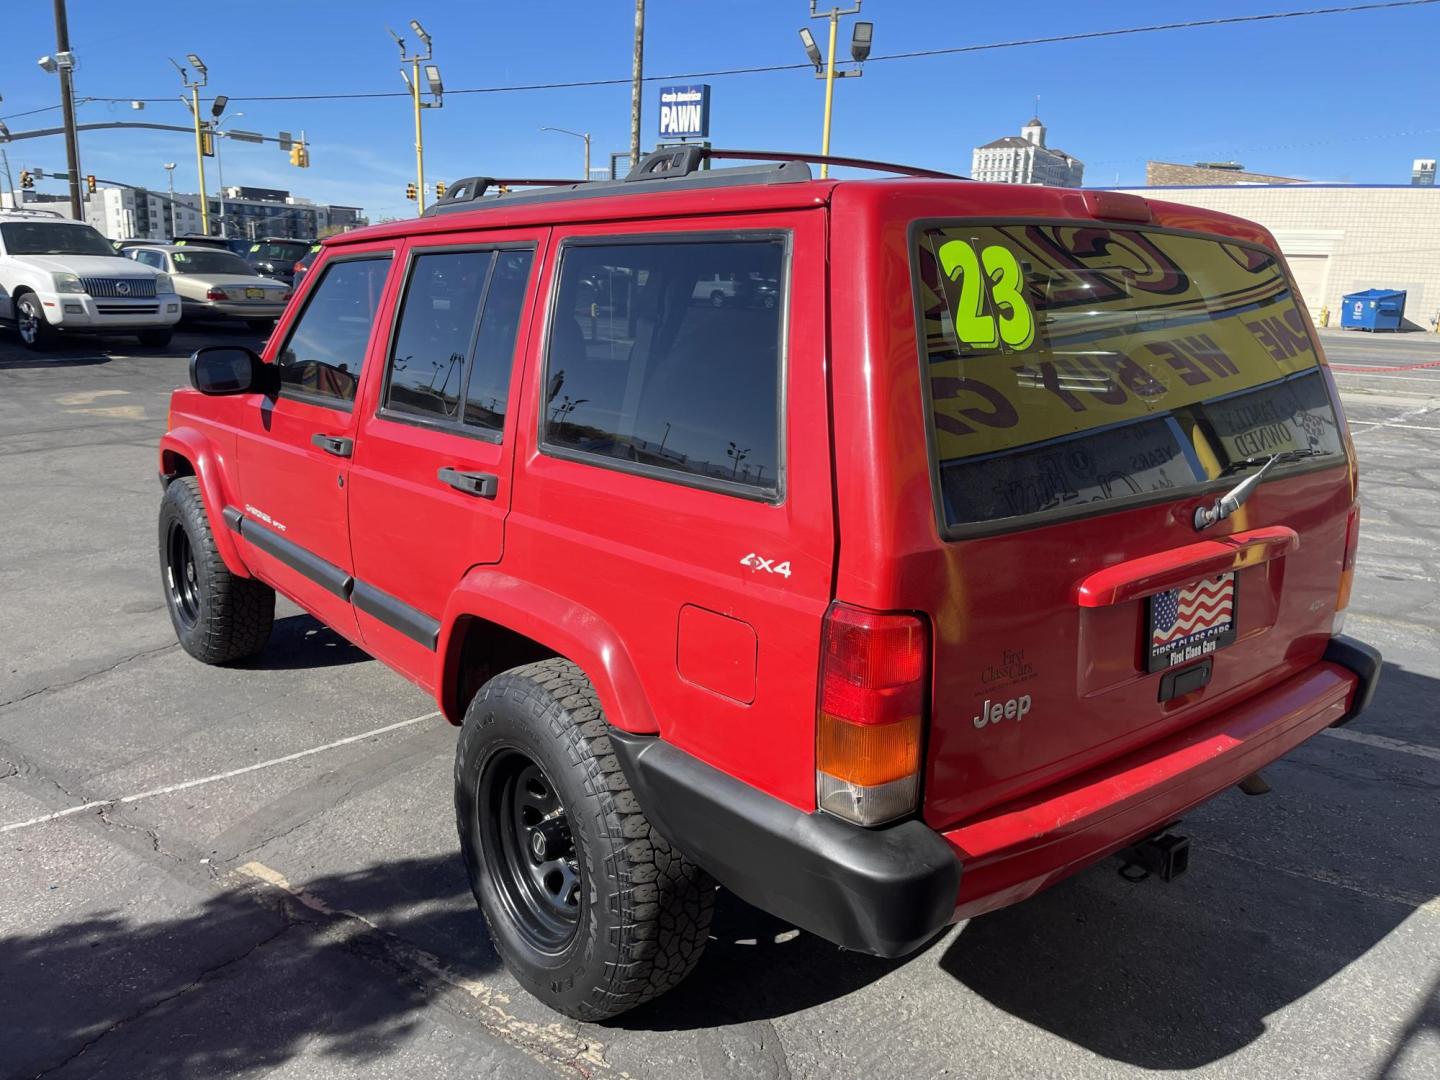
<point>217,294</point>
<point>1347,566</point>
<point>870,721</point>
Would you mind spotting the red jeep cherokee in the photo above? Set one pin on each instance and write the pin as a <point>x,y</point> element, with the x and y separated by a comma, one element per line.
<point>974,533</point>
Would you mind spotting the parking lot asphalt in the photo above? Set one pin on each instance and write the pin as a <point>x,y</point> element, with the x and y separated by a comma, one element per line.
<point>270,886</point>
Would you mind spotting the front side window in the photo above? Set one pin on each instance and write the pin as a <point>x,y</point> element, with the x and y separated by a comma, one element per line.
<point>666,355</point>
<point>1075,364</point>
<point>456,338</point>
<point>326,348</point>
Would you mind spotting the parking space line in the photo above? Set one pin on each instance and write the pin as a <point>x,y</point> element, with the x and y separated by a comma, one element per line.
<point>1384,742</point>
<point>100,804</point>
<point>552,1044</point>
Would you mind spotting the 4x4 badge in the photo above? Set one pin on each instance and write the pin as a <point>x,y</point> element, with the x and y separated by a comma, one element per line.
<point>755,562</point>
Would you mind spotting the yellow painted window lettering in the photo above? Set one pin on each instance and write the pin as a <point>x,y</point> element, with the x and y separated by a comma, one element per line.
<point>1004,281</point>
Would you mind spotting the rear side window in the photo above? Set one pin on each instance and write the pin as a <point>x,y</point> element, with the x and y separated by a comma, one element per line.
<point>664,357</point>
<point>326,348</point>
<point>1069,365</point>
<point>456,338</point>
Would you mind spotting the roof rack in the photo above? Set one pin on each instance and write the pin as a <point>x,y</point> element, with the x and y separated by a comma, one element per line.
<point>676,166</point>
<point>32,210</point>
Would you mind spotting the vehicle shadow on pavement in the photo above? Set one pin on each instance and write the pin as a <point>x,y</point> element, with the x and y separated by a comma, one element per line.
<point>25,361</point>
<point>756,967</point>
<point>302,641</point>
<point>1293,889</point>
<point>238,984</point>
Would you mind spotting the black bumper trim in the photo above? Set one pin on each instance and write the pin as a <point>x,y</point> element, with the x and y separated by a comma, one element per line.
<point>883,891</point>
<point>304,562</point>
<point>397,615</point>
<point>1365,661</point>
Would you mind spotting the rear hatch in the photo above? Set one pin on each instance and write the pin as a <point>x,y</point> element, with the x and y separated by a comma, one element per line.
<point>1088,385</point>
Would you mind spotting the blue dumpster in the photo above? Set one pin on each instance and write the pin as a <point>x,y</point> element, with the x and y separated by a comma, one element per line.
<point>1373,309</point>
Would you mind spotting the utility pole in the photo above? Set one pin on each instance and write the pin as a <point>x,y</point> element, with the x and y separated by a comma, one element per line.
<point>637,78</point>
<point>67,105</point>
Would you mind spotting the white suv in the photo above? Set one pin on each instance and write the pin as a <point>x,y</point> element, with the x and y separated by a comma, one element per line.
<point>60,275</point>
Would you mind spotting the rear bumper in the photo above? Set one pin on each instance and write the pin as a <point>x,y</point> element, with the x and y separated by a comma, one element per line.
<point>1021,848</point>
<point>880,891</point>
<point>887,891</point>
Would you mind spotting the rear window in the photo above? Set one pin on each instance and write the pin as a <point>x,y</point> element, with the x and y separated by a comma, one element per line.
<point>205,261</point>
<point>1069,365</point>
<point>278,252</point>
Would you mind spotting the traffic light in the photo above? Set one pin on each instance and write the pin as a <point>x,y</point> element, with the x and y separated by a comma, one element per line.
<point>90,184</point>
<point>299,155</point>
<point>207,143</point>
<point>410,192</point>
<point>27,182</point>
<point>439,189</point>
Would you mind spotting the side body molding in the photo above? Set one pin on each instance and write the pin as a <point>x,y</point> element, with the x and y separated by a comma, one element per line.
<point>208,461</point>
<point>557,623</point>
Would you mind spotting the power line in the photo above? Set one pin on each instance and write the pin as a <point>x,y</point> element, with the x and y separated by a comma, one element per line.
<point>1086,35</point>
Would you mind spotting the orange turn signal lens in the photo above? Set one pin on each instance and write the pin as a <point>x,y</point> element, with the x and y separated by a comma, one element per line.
<point>868,754</point>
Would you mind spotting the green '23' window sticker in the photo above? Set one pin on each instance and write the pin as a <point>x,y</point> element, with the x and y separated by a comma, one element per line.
<point>995,271</point>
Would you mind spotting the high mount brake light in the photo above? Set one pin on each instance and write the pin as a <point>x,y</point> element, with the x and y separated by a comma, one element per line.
<point>1117,206</point>
<point>870,720</point>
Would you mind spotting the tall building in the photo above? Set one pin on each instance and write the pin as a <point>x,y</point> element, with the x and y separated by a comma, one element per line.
<point>246,212</point>
<point>1025,159</point>
<point>1422,173</point>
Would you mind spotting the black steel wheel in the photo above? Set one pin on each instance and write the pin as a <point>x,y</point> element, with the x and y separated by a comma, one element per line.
<point>529,849</point>
<point>181,578</point>
<point>591,909</point>
<point>218,616</point>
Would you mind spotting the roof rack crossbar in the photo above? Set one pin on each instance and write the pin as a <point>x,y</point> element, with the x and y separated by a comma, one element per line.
<point>672,166</point>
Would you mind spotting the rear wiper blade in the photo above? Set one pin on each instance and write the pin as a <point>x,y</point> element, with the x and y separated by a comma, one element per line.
<point>1227,504</point>
<point>1266,460</point>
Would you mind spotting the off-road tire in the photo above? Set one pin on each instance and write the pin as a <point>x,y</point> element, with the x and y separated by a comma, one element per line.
<point>644,909</point>
<point>155,339</point>
<point>29,314</point>
<point>228,617</point>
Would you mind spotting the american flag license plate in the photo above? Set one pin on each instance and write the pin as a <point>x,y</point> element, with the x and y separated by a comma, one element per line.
<point>1192,621</point>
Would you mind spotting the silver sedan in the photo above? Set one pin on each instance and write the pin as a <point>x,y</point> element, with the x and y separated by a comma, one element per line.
<point>216,284</point>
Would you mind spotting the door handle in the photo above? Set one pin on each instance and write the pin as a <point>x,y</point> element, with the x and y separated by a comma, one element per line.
<point>483,484</point>
<point>334,444</point>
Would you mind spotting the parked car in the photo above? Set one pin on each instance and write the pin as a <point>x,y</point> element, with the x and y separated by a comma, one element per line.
<point>1021,524</point>
<point>304,263</point>
<point>217,284</point>
<point>219,243</point>
<point>59,276</point>
<point>277,258</point>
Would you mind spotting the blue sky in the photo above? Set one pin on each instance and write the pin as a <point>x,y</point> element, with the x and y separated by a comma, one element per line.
<point>1343,97</point>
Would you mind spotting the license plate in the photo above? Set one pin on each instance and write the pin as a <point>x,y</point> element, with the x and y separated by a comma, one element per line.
<point>1191,622</point>
<point>254,294</point>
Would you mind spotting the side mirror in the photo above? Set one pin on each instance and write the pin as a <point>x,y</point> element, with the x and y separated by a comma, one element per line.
<point>229,369</point>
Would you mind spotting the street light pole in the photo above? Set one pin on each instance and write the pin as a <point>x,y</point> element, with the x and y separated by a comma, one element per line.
<point>579,135</point>
<point>193,84</point>
<point>412,79</point>
<point>67,105</point>
<point>859,51</point>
